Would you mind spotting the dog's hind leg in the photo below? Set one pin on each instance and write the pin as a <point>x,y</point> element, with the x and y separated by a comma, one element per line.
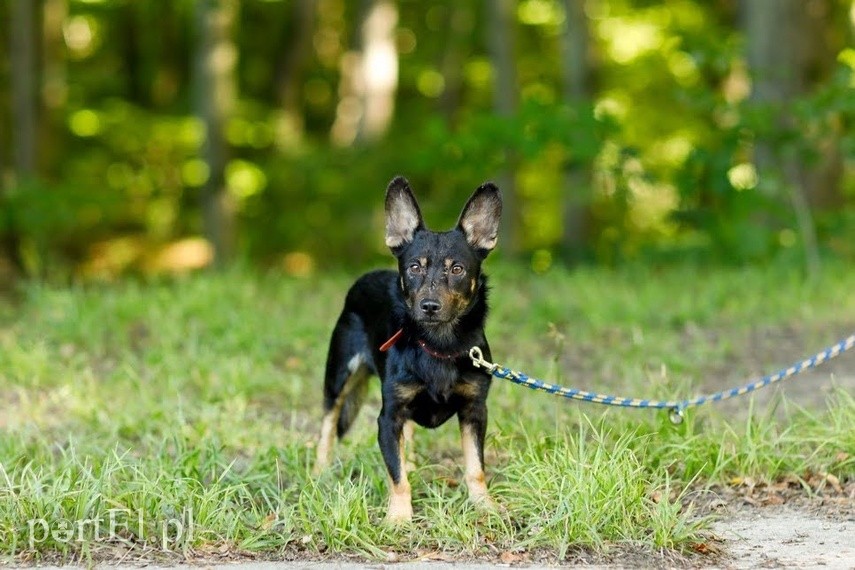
<point>341,411</point>
<point>325,442</point>
<point>348,367</point>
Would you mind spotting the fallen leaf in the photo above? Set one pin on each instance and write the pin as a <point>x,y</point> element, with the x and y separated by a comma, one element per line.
<point>509,557</point>
<point>751,501</point>
<point>743,482</point>
<point>834,482</point>
<point>450,481</point>
<point>773,500</point>
<point>435,555</point>
<point>268,521</point>
<point>791,480</point>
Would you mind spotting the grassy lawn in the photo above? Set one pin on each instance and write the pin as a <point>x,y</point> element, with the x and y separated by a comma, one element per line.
<point>180,415</point>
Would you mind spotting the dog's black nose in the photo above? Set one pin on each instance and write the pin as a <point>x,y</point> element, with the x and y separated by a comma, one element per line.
<point>429,306</point>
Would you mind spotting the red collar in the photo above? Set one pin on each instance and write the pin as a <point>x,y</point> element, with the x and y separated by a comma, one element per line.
<point>435,354</point>
<point>397,336</point>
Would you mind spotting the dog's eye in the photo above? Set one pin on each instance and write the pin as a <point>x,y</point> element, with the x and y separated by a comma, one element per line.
<point>415,268</point>
<point>457,270</point>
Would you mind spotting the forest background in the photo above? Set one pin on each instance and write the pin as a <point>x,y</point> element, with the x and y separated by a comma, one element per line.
<point>163,135</point>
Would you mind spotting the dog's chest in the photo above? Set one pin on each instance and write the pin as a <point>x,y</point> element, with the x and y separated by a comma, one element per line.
<point>438,377</point>
<point>437,395</point>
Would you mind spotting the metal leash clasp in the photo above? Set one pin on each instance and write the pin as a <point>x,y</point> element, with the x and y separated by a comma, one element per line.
<point>478,360</point>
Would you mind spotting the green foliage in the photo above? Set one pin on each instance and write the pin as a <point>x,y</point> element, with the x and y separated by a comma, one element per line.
<point>745,214</point>
<point>661,156</point>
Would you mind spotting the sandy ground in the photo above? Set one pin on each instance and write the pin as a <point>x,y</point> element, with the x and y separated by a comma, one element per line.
<point>784,537</point>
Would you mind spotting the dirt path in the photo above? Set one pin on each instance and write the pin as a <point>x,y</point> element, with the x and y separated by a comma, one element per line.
<point>784,537</point>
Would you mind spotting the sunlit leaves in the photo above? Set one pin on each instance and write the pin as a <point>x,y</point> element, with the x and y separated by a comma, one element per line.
<point>244,178</point>
<point>85,123</point>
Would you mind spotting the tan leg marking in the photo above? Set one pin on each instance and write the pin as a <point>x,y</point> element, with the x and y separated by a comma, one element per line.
<point>326,441</point>
<point>408,450</point>
<point>473,470</point>
<point>400,495</point>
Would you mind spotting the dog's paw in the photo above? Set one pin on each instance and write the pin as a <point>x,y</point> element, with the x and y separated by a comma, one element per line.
<point>319,468</point>
<point>398,520</point>
<point>486,503</point>
<point>322,461</point>
<point>400,511</point>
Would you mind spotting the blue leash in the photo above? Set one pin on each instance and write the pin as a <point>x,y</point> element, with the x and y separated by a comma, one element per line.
<point>676,406</point>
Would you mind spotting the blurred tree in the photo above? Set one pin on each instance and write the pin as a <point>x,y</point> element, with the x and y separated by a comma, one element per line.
<point>788,51</point>
<point>296,53</point>
<point>369,76</point>
<point>24,37</point>
<point>23,40</point>
<point>576,72</point>
<point>459,27</point>
<point>501,33</point>
<point>132,52</point>
<point>216,58</point>
<point>53,82</point>
<point>152,51</point>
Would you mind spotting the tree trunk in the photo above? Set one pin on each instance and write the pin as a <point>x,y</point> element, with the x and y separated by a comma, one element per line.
<point>500,42</point>
<point>460,21</point>
<point>379,70</point>
<point>823,37</point>
<point>776,43</point>
<point>23,36</point>
<point>216,59</point>
<point>54,85</point>
<point>298,50</point>
<point>369,77</point>
<point>132,26</point>
<point>576,78</point>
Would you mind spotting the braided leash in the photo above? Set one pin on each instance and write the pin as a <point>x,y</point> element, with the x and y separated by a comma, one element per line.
<point>676,406</point>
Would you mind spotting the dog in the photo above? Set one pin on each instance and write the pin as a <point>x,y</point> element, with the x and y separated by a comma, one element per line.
<point>413,328</point>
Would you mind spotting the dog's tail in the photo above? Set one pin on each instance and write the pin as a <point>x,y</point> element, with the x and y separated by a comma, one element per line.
<point>344,391</point>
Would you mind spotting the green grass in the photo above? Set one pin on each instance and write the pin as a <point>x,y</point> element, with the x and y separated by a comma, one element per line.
<point>193,403</point>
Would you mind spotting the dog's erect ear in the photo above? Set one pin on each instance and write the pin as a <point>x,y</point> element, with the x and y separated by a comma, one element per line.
<point>480,218</point>
<point>403,216</point>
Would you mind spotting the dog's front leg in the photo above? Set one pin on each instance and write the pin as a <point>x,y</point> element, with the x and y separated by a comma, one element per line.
<point>473,429</point>
<point>390,437</point>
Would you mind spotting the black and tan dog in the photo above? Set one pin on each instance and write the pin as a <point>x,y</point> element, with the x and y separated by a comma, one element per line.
<point>414,328</point>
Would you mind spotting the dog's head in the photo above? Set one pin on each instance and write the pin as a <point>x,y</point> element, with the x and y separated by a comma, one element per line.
<point>440,271</point>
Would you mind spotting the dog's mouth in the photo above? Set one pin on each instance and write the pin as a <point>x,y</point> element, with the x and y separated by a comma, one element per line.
<point>435,330</point>
<point>434,320</point>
